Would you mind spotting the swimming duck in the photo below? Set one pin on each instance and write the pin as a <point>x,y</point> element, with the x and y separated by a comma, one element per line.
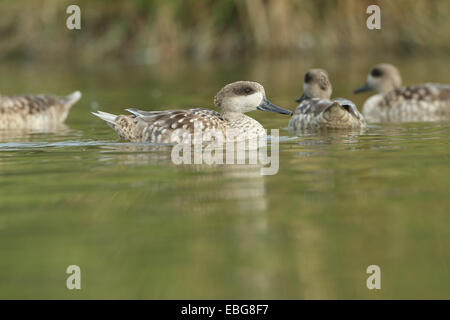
<point>425,102</point>
<point>35,111</point>
<point>173,126</point>
<point>317,111</point>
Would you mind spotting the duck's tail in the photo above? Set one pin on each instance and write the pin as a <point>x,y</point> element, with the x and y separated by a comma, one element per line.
<point>71,99</point>
<point>124,126</point>
<point>108,117</point>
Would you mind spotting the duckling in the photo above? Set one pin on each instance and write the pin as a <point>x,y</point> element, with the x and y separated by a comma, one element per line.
<point>35,111</point>
<point>317,111</point>
<point>173,126</point>
<point>425,102</point>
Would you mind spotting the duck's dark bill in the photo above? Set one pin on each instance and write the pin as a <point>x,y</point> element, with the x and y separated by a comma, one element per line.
<point>266,105</point>
<point>301,98</point>
<point>364,88</point>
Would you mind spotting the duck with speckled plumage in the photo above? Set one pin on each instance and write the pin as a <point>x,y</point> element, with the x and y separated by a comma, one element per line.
<point>317,111</point>
<point>35,111</point>
<point>175,126</point>
<point>396,103</point>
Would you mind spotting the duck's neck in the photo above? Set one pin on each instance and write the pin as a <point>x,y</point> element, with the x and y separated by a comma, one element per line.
<point>389,86</point>
<point>233,116</point>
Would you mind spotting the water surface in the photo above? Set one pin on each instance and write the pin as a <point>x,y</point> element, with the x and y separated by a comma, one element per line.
<point>141,227</point>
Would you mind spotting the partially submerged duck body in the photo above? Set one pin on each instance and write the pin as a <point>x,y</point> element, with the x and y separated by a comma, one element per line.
<point>35,111</point>
<point>175,126</point>
<point>394,103</point>
<point>317,111</point>
<point>316,114</point>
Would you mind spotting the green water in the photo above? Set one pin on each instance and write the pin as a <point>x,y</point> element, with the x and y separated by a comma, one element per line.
<point>141,227</point>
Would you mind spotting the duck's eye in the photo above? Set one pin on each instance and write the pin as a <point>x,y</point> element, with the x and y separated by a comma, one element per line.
<point>308,77</point>
<point>240,91</point>
<point>248,90</point>
<point>376,73</point>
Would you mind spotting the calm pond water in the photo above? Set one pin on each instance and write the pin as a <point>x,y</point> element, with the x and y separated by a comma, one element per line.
<point>141,227</point>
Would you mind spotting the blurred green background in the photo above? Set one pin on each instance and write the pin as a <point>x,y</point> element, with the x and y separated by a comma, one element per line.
<point>150,31</point>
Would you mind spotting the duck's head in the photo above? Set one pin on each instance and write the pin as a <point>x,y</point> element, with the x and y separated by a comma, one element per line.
<point>245,96</point>
<point>383,78</point>
<point>316,85</point>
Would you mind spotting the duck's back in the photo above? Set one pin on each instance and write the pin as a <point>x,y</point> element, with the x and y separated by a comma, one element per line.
<point>169,126</point>
<point>34,111</point>
<point>163,126</point>
<point>427,102</point>
<point>326,114</point>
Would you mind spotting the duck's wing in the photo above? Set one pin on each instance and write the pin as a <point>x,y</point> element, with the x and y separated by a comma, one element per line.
<point>142,113</point>
<point>350,107</point>
<point>198,111</point>
<point>345,102</point>
<point>424,92</point>
<point>33,104</point>
<point>172,119</point>
<point>439,91</point>
<point>160,126</point>
<point>313,107</point>
<point>174,126</point>
<point>309,114</point>
<point>25,104</point>
<point>426,102</point>
<point>325,114</point>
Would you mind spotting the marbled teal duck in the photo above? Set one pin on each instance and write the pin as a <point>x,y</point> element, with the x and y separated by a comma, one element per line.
<point>35,111</point>
<point>393,102</point>
<point>174,126</point>
<point>316,111</point>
